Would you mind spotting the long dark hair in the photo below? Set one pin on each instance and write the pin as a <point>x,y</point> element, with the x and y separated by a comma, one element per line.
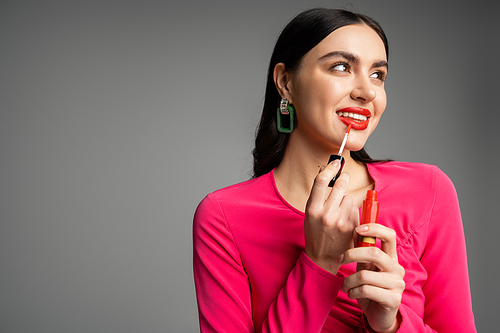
<point>299,36</point>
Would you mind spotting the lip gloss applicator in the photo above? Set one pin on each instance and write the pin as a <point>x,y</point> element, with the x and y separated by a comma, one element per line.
<point>339,156</point>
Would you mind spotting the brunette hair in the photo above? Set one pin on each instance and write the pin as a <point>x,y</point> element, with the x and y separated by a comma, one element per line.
<point>299,36</point>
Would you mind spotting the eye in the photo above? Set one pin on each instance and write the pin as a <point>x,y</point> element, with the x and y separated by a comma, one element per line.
<point>340,67</point>
<point>379,75</point>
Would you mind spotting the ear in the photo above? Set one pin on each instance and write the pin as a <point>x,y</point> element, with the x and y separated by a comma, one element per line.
<point>283,81</point>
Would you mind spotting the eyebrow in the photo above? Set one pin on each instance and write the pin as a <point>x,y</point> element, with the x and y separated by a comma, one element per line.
<point>352,58</point>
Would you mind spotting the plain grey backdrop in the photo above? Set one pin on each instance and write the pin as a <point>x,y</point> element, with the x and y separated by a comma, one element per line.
<point>118,117</point>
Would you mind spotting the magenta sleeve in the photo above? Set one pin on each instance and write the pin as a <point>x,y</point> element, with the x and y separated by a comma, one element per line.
<point>448,305</point>
<point>223,288</point>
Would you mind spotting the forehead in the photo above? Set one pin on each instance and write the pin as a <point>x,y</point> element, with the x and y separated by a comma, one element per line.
<point>358,39</point>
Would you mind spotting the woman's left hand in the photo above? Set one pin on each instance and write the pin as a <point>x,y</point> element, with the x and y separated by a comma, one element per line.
<point>378,284</point>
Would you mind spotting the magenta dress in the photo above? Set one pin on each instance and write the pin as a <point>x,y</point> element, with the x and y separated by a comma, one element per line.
<point>252,275</point>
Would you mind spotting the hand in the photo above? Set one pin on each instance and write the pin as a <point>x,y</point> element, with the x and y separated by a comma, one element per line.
<point>330,219</point>
<point>378,284</point>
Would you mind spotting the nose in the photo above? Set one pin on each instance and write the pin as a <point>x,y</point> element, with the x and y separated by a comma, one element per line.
<point>363,90</point>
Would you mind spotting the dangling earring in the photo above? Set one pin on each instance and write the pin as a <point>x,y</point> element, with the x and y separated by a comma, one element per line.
<point>285,116</point>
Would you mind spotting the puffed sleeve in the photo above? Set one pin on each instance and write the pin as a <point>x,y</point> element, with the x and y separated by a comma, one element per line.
<point>223,287</point>
<point>448,306</point>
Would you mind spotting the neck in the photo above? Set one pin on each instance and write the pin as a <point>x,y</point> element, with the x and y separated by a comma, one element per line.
<point>300,165</point>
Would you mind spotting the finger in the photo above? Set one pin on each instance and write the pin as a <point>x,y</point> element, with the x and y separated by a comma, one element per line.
<point>354,216</point>
<point>385,297</point>
<point>320,189</point>
<point>344,208</point>
<point>372,255</point>
<point>338,191</point>
<point>386,235</point>
<point>377,279</point>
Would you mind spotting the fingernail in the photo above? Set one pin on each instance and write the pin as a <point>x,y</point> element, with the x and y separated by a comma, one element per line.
<point>340,259</point>
<point>321,168</point>
<point>335,163</point>
<point>362,228</point>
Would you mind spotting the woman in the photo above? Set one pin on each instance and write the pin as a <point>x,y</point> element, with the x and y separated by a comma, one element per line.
<point>276,253</point>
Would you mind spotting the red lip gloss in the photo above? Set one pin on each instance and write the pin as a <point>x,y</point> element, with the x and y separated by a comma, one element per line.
<point>356,124</point>
<point>369,214</point>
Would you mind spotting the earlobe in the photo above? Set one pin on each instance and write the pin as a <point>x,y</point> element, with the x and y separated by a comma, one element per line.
<point>282,81</point>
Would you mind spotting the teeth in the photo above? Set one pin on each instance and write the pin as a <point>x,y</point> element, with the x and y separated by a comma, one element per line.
<point>352,115</point>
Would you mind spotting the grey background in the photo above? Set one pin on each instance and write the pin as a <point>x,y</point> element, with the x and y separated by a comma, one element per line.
<point>118,117</point>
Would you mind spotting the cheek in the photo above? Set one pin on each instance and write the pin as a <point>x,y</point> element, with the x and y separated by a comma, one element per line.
<point>323,98</point>
<point>318,87</point>
<point>381,102</point>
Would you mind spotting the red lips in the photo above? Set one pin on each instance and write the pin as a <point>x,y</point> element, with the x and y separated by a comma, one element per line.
<point>356,124</point>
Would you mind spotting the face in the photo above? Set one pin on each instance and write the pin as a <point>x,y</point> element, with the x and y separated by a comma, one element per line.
<point>340,81</point>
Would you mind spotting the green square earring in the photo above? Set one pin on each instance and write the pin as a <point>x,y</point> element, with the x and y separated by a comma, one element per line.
<point>285,115</point>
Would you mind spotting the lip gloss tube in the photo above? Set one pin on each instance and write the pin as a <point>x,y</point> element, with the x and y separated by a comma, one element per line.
<point>369,214</point>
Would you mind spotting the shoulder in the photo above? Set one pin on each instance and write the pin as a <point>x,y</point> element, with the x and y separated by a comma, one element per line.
<point>416,185</point>
<point>236,196</point>
<point>398,168</point>
<point>409,175</point>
